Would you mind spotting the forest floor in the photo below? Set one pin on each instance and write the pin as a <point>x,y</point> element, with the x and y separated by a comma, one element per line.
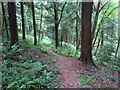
<point>68,67</point>
<point>73,72</point>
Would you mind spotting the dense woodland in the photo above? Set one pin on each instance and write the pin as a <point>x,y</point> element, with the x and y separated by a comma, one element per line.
<point>60,44</point>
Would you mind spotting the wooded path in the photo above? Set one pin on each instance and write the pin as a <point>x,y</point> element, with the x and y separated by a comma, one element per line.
<point>68,68</point>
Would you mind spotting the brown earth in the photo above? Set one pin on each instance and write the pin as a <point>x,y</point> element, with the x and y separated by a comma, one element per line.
<point>68,67</point>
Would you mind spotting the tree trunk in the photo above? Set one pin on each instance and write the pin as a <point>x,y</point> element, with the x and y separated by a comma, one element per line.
<point>5,21</point>
<point>61,40</point>
<point>56,24</point>
<point>57,21</point>
<point>23,23</point>
<point>13,23</point>
<point>77,29</point>
<point>1,27</point>
<point>86,39</point>
<point>34,26</point>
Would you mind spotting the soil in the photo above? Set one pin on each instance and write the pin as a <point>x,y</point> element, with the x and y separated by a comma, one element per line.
<point>68,67</point>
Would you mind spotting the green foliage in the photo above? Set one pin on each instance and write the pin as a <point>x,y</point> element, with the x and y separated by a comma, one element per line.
<point>106,57</point>
<point>106,52</point>
<point>28,75</point>
<point>48,42</point>
<point>44,50</point>
<point>8,52</point>
<point>29,40</point>
<point>86,81</point>
<point>68,50</point>
<point>42,44</point>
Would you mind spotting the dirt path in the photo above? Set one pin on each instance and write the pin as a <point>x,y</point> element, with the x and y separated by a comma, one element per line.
<point>68,67</point>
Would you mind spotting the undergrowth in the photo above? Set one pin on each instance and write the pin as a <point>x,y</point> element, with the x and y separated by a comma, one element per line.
<point>21,72</point>
<point>92,78</point>
<point>68,50</point>
<point>106,57</point>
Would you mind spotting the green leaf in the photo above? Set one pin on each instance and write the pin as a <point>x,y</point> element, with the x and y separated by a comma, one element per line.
<point>11,84</point>
<point>23,86</point>
<point>30,82</point>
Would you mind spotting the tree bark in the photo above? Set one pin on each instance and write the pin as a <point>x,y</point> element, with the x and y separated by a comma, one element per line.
<point>34,26</point>
<point>56,24</point>
<point>61,40</point>
<point>77,29</point>
<point>23,23</point>
<point>86,39</point>
<point>5,21</point>
<point>13,23</point>
<point>57,21</point>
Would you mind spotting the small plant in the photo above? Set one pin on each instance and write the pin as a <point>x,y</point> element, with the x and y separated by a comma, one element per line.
<point>105,56</point>
<point>8,52</point>
<point>26,73</point>
<point>20,76</point>
<point>44,50</point>
<point>69,51</point>
<point>87,80</point>
<point>48,42</point>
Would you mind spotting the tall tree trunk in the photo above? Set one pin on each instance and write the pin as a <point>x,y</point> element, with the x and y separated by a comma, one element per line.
<point>34,26</point>
<point>13,23</point>
<point>1,26</point>
<point>5,21</point>
<point>61,40</point>
<point>77,29</point>
<point>56,24</point>
<point>77,41</point>
<point>86,39</point>
<point>23,23</point>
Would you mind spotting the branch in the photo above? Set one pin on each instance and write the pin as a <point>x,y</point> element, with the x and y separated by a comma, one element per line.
<point>103,6</point>
<point>62,12</point>
<point>111,12</point>
<point>102,20</point>
<point>95,20</point>
<point>95,7</point>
